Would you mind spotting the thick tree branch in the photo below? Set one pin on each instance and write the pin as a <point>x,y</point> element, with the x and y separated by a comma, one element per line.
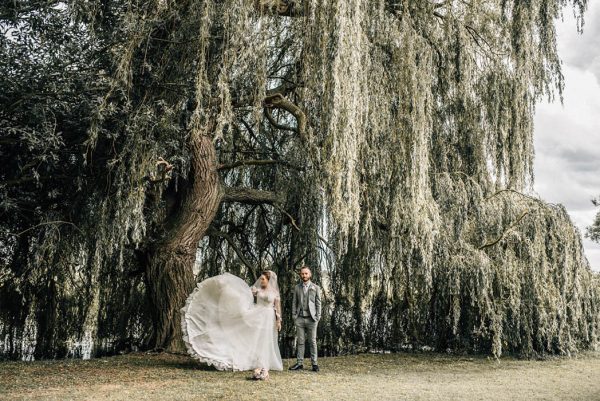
<point>252,196</point>
<point>284,89</point>
<point>239,101</point>
<point>252,162</point>
<point>275,124</point>
<point>278,101</point>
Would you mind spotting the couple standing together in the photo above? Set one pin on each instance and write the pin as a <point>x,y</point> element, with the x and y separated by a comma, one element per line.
<point>231,326</point>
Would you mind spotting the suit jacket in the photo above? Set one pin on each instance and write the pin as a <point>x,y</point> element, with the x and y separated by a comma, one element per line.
<point>314,301</point>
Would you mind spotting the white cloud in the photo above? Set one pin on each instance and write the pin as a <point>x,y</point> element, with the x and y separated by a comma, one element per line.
<point>567,138</point>
<point>581,51</point>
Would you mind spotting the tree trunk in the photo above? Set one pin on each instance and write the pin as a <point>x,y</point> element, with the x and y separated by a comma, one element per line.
<point>169,274</point>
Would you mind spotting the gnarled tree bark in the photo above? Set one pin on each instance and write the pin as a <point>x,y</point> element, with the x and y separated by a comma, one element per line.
<point>169,275</point>
<point>252,196</point>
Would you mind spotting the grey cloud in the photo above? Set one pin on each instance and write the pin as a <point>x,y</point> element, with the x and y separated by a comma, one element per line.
<point>567,138</point>
<point>581,160</point>
<point>581,51</point>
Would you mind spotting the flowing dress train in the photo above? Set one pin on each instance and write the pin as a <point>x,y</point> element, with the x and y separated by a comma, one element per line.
<point>223,327</point>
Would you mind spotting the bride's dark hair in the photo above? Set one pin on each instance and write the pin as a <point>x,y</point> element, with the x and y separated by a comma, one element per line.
<point>267,274</point>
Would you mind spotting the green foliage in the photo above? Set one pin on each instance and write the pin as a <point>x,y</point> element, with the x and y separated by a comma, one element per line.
<point>54,74</point>
<point>593,231</point>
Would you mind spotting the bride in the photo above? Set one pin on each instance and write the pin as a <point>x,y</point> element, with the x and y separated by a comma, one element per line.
<point>231,326</point>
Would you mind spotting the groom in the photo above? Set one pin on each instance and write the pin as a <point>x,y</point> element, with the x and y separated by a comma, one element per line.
<point>306,311</point>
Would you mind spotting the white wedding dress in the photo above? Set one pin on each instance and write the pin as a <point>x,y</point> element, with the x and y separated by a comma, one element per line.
<point>223,327</point>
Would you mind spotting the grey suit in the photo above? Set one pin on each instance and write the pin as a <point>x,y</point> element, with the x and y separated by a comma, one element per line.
<point>306,311</point>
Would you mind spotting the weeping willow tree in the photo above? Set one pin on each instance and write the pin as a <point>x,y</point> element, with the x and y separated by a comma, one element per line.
<point>386,144</point>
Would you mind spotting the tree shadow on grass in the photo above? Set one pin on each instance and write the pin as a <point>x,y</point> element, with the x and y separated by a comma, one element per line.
<point>152,359</point>
<point>183,361</point>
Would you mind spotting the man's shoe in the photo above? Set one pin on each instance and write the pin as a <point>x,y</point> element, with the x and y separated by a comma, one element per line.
<point>315,368</point>
<point>297,366</point>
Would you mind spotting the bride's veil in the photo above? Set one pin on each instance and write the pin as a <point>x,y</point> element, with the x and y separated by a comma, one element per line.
<point>273,286</point>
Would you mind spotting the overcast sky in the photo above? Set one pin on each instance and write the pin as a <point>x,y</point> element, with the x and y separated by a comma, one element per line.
<point>567,137</point>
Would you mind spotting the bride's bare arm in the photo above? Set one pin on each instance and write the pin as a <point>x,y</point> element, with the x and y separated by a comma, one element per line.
<point>278,312</point>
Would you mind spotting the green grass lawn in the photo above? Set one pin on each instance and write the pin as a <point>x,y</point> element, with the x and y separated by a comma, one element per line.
<point>359,377</point>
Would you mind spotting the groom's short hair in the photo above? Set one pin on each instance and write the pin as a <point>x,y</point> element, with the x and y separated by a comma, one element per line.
<point>305,267</point>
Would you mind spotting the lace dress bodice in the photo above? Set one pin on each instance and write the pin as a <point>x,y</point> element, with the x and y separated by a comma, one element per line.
<point>265,298</point>
<point>270,300</point>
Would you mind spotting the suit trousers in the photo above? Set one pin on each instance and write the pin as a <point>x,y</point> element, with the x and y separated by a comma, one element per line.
<point>306,329</point>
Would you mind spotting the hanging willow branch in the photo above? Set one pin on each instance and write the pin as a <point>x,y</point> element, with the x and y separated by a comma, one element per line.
<point>237,250</point>
<point>254,162</point>
<point>284,8</point>
<point>512,191</point>
<point>505,232</point>
<point>252,196</point>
